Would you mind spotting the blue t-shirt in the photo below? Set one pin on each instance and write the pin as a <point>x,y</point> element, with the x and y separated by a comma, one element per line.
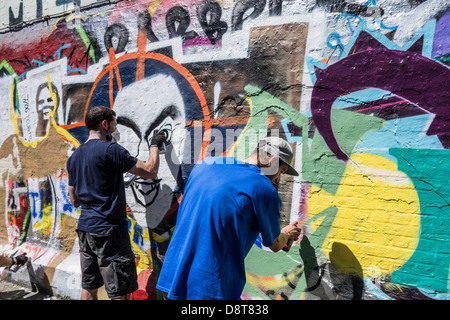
<point>96,171</point>
<point>225,206</point>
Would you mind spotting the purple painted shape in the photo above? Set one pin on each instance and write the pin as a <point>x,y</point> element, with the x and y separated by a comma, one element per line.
<point>441,42</point>
<point>365,42</point>
<point>201,41</point>
<point>420,80</point>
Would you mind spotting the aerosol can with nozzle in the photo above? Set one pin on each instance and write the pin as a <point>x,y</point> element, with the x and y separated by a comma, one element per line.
<point>162,148</point>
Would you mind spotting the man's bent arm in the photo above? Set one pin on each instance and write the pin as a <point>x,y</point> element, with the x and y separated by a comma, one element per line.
<point>291,231</point>
<point>149,169</point>
<point>279,242</point>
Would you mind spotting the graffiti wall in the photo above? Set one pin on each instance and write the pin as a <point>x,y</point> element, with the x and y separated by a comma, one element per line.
<point>361,90</point>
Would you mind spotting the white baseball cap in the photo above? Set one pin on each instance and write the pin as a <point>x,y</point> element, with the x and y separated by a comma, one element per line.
<point>281,149</point>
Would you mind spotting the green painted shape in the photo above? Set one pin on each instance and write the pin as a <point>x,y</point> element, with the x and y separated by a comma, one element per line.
<point>311,246</point>
<point>258,123</point>
<point>428,267</point>
<point>264,262</point>
<point>320,165</point>
<point>86,41</point>
<point>5,65</point>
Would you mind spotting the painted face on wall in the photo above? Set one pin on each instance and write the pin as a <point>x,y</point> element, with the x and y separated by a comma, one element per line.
<point>151,104</point>
<point>45,105</point>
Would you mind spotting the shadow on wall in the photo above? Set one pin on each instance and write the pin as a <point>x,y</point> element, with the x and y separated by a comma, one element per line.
<point>348,285</point>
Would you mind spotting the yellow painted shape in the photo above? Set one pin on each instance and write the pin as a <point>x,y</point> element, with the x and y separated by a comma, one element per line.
<point>47,219</point>
<point>274,282</point>
<point>153,6</point>
<point>378,216</point>
<point>60,130</point>
<point>144,261</point>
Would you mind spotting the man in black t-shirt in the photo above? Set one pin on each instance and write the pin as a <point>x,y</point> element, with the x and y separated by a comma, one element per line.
<point>96,184</point>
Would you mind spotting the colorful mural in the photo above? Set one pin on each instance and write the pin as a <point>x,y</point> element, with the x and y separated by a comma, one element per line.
<point>359,89</point>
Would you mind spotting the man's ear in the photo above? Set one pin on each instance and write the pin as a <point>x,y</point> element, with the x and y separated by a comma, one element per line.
<point>273,160</point>
<point>272,166</point>
<point>104,125</point>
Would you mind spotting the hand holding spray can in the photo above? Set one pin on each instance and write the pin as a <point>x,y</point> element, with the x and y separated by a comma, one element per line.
<point>159,139</point>
<point>18,262</point>
<point>295,230</point>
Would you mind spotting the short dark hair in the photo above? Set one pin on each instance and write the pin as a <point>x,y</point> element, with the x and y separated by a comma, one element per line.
<point>96,115</point>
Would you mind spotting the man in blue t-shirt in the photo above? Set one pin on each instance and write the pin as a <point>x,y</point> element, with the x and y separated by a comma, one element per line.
<point>225,206</point>
<point>96,184</point>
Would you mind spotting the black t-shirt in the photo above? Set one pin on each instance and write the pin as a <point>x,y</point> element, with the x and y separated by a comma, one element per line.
<point>96,171</point>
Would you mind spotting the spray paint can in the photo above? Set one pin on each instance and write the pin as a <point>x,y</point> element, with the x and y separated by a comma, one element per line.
<point>18,264</point>
<point>162,148</point>
<point>14,268</point>
<point>288,245</point>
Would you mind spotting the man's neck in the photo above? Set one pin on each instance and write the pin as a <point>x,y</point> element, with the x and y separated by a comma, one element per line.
<point>96,135</point>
